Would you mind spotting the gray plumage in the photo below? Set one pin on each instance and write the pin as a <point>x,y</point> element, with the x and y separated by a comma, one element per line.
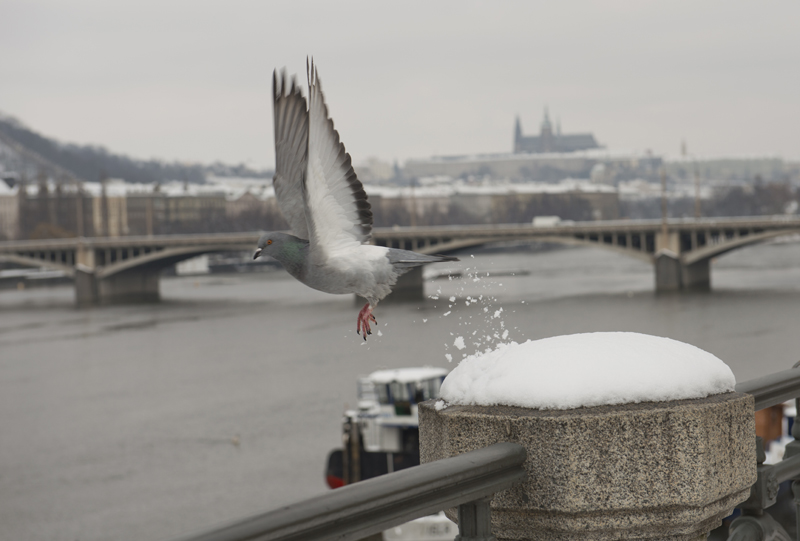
<point>326,206</point>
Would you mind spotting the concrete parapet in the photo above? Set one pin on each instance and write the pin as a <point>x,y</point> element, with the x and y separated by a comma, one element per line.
<point>655,471</point>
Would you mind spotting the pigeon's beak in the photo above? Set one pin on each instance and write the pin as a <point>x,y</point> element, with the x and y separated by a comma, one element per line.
<point>258,253</point>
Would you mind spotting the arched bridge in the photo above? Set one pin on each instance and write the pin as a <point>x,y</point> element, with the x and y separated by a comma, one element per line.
<point>680,249</point>
<point>120,269</point>
<point>128,268</point>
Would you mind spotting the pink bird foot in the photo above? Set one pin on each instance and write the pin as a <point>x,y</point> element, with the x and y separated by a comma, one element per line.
<point>362,322</point>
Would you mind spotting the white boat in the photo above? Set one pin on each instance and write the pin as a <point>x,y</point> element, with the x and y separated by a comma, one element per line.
<point>382,436</point>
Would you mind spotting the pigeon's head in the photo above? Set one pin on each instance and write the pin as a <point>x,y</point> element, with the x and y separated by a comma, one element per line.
<point>273,244</point>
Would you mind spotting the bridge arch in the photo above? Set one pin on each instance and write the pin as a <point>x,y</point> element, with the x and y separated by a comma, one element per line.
<point>161,259</point>
<point>137,279</point>
<point>721,248</point>
<point>25,261</point>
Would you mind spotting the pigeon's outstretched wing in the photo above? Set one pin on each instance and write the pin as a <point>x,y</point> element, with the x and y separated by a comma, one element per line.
<point>337,210</point>
<point>291,151</point>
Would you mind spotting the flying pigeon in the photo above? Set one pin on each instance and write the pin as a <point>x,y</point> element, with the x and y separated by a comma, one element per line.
<point>326,206</point>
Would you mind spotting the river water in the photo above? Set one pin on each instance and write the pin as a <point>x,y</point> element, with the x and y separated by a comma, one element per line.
<point>145,422</point>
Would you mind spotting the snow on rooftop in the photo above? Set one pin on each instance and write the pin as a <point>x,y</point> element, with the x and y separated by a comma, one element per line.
<point>592,369</point>
<point>407,375</point>
<point>457,186</point>
<point>595,153</point>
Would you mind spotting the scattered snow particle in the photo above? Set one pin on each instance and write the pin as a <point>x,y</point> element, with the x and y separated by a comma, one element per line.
<point>446,314</point>
<point>505,334</point>
<point>448,357</point>
<point>497,313</point>
<point>435,297</point>
<point>452,299</point>
<point>380,333</point>
<point>439,405</point>
<point>424,320</point>
<point>472,256</point>
<point>459,343</point>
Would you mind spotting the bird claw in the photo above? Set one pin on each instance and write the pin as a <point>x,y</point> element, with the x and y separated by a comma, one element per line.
<point>362,323</point>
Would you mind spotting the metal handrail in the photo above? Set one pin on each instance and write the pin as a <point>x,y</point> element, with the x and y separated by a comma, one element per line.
<point>772,389</point>
<point>754,523</point>
<point>368,507</point>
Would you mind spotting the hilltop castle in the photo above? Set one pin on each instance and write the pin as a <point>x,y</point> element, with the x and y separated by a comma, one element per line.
<point>549,140</point>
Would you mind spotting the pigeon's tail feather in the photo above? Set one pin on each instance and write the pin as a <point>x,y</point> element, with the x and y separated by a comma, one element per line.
<point>405,259</point>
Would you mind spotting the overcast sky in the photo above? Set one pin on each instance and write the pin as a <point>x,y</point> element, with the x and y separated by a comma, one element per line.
<point>191,80</point>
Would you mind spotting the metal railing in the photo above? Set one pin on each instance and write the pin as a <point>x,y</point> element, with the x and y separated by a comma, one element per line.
<point>772,389</point>
<point>368,507</point>
<point>468,481</point>
<point>754,524</point>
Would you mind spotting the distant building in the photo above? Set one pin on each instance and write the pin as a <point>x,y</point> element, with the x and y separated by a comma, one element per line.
<point>549,140</point>
<point>541,167</point>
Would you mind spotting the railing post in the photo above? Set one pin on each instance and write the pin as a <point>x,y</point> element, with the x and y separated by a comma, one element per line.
<point>632,471</point>
<point>475,521</point>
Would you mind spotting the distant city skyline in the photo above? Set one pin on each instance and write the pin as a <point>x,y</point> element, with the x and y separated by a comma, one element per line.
<point>191,81</point>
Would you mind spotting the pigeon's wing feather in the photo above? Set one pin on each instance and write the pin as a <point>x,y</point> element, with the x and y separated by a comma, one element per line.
<point>291,151</point>
<point>338,213</point>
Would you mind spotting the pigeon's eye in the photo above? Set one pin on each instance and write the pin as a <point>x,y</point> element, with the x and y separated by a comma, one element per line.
<point>269,242</point>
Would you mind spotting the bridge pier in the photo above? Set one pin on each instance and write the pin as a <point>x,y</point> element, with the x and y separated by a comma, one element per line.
<point>674,275</point>
<point>85,287</point>
<point>697,276</point>
<point>135,285</point>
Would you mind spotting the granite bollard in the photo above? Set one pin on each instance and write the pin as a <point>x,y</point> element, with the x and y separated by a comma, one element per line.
<point>649,470</point>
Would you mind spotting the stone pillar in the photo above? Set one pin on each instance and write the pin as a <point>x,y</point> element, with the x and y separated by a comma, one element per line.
<point>671,242</point>
<point>85,286</point>
<point>648,471</point>
<point>84,254</point>
<point>697,276</point>
<point>668,272</point>
<point>134,285</point>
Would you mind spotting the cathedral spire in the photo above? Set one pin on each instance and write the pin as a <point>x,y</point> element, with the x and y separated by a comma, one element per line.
<point>517,134</point>
<point>546,125</point>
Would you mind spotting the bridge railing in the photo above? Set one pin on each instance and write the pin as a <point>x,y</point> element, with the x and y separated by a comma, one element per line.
<point>369,507</point>
<point>754,524</point>
<point>468,480</point>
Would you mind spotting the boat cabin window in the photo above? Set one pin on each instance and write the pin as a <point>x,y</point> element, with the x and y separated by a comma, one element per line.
<point>426,389</point>
<point>399,392</point>
<point>382,390</point>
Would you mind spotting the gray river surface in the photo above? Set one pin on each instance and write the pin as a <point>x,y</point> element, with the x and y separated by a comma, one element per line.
<point>146,422</point>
